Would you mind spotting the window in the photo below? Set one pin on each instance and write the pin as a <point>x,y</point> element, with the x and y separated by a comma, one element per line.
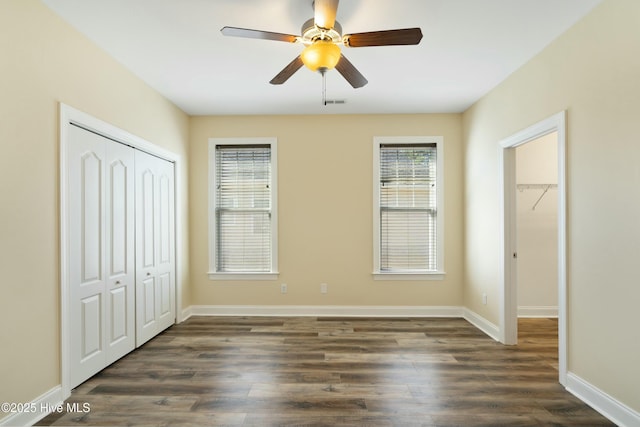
<point>242,209</point>
<point>408,214</point>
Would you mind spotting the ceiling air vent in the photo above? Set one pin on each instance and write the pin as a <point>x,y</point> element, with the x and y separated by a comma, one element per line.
<point>335,101</point>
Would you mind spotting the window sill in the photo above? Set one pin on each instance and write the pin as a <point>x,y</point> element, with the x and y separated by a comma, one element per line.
<point>433,275</point>
<point>243,276</point>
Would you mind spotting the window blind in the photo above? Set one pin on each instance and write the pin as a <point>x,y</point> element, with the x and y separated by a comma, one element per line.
<point>243,208</point>
<point>408,207</point>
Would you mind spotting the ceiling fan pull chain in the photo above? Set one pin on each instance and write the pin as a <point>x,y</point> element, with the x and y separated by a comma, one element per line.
<point>324,87</point>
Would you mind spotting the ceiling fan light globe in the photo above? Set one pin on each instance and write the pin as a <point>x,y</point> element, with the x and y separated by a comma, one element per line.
<point>321,55</point>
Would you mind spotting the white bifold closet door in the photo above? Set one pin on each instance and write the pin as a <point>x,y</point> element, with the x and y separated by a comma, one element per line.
<point>155,259</point>
<point>121,250</point>
<point>101,252</point>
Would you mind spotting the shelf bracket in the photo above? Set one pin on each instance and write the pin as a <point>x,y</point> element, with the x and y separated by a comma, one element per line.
<point>543,187</point>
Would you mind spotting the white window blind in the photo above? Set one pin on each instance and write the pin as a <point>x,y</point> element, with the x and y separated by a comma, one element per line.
<point>408,207</point>
<point>243,208</point>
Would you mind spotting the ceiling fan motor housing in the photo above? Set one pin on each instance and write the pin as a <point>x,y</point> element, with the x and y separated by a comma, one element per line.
<point>311,33</point>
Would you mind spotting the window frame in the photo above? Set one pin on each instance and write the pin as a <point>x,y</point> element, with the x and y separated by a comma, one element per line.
<point>438,273</point>
<point>212,186</point>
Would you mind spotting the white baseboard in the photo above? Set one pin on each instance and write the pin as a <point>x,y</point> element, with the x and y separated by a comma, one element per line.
<point>344,311</point>
<point>609,407</point>
<point>322,310</point>
<point>185,314</point>
<point>36,410</point>
<point>481,323</point>
<point>538,311</point>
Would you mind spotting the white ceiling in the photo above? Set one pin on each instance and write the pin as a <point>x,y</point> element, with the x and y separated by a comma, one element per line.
<point>469,46</point>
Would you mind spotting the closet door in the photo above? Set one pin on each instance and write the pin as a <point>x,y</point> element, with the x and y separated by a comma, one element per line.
<point>101,252</point>
<point>155,260</point>
<point>120,251</point>
<point>166,246</point>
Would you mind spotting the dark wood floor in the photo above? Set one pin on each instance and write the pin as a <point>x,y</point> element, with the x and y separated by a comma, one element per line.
<point>333,372</point>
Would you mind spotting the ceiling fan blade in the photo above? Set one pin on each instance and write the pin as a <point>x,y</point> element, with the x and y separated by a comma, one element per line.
<point>287,72</point>
<point>325,13</point>
<point>350,73</point>
<point>258,34</point>
<point>405,36</point>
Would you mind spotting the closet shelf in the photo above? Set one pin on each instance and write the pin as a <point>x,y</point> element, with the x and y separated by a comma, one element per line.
<point>536,186</point>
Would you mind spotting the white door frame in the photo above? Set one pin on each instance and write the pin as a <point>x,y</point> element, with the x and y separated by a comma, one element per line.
<point>509,300</point>
<point>70,116</point>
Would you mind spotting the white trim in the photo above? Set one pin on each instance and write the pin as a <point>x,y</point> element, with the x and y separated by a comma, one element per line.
<point>531,311</point>
<point>187,313</point>
<point>426,276</point>
<point>211,184</point>
<point>69,116</point>
<point>39,408</point>
<point>324,310</point>
<point>178,200</point>
<point>508,296</point>
<point>440,216</point>
<point>242,276</point>
<point>616,411</point>
<point>508,300</point>
<point>481,323</point>
<point>65,353</point>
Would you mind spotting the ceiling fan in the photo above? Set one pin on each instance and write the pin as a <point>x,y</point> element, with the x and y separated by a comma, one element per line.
<point>322,36</point>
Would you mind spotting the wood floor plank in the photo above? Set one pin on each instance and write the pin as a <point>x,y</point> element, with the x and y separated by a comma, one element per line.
<point>395,358</point>
<point>330,390</point>
<point>370,420</point>
<point>172,389</point>
<point>277,405</point>
<point>332,371</point>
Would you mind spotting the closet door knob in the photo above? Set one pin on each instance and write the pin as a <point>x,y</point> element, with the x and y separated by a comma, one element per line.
<point>148,273</point>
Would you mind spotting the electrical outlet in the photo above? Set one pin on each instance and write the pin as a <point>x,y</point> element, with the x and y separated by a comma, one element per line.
<point>323,288</point>
<point>484,299</point>
<point>283,288</point>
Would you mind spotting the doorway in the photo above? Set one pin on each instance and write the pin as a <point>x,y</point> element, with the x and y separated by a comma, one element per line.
<point>537,227</point>
<point>555,124</point>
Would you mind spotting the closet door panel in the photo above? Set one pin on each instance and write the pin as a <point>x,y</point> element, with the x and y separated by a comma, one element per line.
<point>166,246</point>
<point>147,217</point>
<point>86,160</point>
<point>91,215</point>
<point>165,294</point>
<point>118,214</point>
<point>146,249</point>
<point>165,209</point>
<point>149,303</point>
<point>119,316</point>
<point>155,270</point>
<point>92,326</point>
<point>120,254</point>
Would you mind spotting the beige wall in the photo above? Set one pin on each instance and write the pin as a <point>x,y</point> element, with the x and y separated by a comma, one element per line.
<point>44,61</point>
<point>592,72</point>
<point>325,210</point>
